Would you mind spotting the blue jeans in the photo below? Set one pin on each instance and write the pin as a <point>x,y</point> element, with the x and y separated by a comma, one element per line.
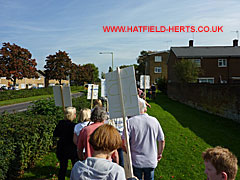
<point>120,154</point>
<point>148,173</point>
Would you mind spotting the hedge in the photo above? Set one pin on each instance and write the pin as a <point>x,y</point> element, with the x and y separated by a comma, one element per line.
<point>27,136</point>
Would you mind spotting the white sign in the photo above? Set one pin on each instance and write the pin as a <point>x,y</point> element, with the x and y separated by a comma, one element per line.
<point>67,98</point>
<point>129,89</point>
<point>94,88</point>
<point>142,81</point>
<point>103,88</point>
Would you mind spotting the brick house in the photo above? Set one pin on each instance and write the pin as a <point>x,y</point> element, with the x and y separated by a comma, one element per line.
<point>219,64</point>
<point>155,65</point>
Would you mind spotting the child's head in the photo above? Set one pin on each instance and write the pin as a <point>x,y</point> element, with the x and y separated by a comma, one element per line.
<point>84,115</point>
<point>220,163</point>
<point>70,113</point>
<point>105,138</point>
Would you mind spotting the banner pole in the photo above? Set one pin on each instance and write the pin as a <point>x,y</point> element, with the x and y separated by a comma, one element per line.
<point>61,90</point>
<point>129,159</point>
<point>92,97</point>
<point>145,86</point>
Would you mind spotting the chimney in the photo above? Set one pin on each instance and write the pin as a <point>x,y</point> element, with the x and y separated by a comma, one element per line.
<point>235,42</point>
<point>190,43</point>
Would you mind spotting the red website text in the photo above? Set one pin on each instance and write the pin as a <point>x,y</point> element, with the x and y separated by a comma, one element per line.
<point>163,28</point>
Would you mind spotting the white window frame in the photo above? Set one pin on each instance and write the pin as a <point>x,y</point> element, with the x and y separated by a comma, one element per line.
<point>158,69</point>
<point>158,58</point>
<point>206,80</point>
<point>222,62</point>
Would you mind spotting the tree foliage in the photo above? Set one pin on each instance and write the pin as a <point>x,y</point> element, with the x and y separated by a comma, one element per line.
<point>16,63</point>
<point>90,72</point>
<point>84,73</point>
<point>58,66</point>
<point>187,71</point>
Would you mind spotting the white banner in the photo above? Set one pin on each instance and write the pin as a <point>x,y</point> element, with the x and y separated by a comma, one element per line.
<point>129,89</point>
<point>66,93</point>
<point>95,91</point>
<point>103,88</point>
<point>142,81</point>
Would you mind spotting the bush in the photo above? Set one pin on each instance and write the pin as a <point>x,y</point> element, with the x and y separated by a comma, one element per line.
<point>24,138</point>
<point>162,85</point>
<point>27,136</point>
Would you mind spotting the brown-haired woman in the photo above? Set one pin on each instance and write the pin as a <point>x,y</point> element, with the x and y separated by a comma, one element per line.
<point>104,140</point>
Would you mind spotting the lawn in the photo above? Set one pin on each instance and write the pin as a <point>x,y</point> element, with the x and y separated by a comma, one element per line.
<point>188,132</point>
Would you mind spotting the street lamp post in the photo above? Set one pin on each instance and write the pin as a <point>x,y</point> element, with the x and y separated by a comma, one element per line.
<point>108,53</point>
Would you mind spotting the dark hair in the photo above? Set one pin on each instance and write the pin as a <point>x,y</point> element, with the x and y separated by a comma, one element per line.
<point>105,138</point>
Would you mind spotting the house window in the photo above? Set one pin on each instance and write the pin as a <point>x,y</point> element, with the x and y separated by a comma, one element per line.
<point>197,62</point>
<point>222,62</point>
<point>206,80</point>
<point>158,58</point>
<point>157,69</point>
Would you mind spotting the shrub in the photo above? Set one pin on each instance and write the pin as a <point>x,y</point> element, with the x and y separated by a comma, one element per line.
<point>24,139</point>
<point>162,85</point>
<point>27,136</point>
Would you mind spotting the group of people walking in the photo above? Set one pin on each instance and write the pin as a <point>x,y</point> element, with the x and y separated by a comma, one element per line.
<point>95,147</point>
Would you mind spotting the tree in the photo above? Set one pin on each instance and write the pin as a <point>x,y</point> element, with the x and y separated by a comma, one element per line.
<point>16,63</point>
<point>187,71</point>
<point>90,73</point>
<point>58,66</point>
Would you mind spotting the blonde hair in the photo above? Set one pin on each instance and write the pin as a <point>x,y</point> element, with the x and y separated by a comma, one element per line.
<point>84,115</point>
<point>97,102</point>
<point>70,113</point>
<point>223,161</point>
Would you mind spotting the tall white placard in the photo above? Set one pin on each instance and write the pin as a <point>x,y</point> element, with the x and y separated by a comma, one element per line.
<point>144,78</point>
<point>103,88</point>
<point>94,88</point>
<point>129,90</point>
<point>66,93</point>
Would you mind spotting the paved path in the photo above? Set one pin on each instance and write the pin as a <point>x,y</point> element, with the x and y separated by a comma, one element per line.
<point>24,106</point>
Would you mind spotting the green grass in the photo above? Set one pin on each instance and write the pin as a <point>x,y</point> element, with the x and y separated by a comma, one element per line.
<point>34,98</point>
<point>188,133</point>
<point>46,168</point>
<point>21,100</point>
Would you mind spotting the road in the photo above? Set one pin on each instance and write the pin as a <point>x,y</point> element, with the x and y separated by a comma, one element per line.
<point>24,106</point>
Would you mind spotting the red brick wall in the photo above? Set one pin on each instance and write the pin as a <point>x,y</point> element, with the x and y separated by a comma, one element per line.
<point>219,99</point>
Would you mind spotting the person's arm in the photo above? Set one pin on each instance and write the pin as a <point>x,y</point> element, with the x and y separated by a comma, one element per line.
<point>80,146</point>
<point>161,145</point>
<point>124,146</point>
<point>75,138</point>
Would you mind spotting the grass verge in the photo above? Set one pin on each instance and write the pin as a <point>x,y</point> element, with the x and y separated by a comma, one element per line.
<point>28,99</point>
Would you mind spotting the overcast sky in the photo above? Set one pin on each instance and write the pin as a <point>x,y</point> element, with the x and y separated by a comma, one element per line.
<point>75,26</point>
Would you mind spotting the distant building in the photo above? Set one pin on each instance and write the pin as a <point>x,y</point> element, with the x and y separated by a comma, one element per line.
<point>28,83</point>
<point>219,64</point>
<point>154,64</point>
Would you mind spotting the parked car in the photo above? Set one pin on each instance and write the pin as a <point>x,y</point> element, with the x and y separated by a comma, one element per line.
<point>3,88</point>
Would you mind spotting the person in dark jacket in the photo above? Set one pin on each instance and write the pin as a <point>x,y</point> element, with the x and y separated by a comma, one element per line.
<point>66,149</point>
